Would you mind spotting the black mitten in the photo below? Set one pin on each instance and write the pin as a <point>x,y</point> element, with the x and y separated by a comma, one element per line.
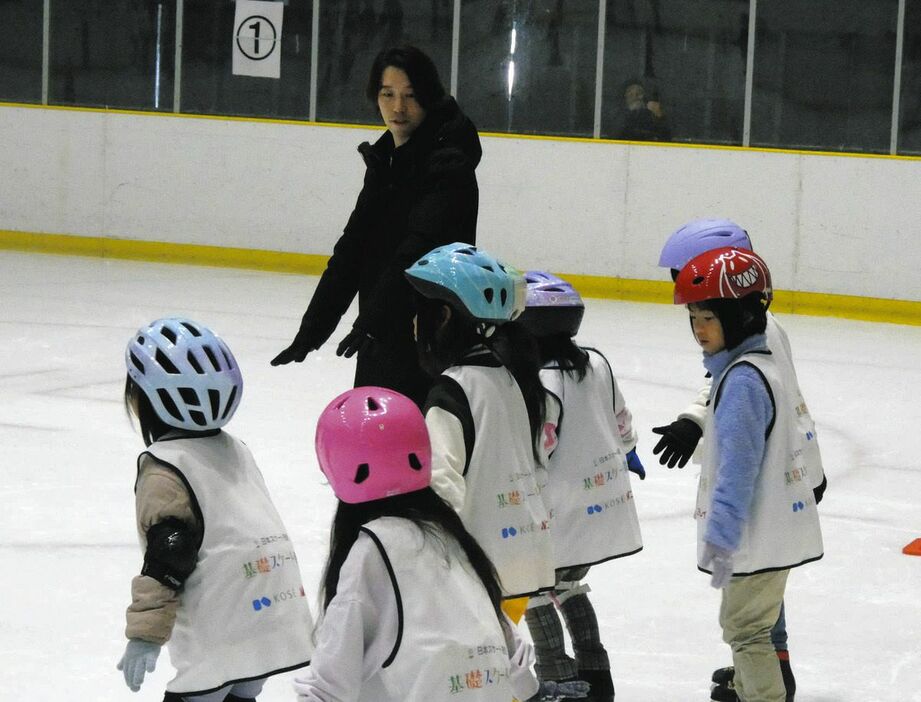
<point>679,439</point>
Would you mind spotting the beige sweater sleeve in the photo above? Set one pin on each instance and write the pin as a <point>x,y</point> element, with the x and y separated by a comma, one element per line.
<point>160,494</point>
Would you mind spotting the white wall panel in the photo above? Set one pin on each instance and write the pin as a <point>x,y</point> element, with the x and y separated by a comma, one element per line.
<point>846,225</point>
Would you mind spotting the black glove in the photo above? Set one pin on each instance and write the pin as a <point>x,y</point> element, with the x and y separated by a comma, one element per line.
<point>306,340</point>
<point>679,439</point>
<point>355,341</point>
<point>819,491</point>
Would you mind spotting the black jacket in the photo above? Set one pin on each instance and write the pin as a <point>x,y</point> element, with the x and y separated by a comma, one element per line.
<point>414,198</point>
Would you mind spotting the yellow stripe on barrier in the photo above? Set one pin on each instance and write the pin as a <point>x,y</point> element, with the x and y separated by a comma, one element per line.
<point>868,309</point>
<point>165,252</point>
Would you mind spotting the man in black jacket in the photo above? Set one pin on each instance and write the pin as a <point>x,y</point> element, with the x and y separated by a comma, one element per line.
<point>420,192</point>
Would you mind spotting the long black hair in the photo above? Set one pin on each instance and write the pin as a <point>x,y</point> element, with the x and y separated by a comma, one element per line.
<point>138,404</point>
<point>442,343</point>
<point>153,428</point>
<point>562,350</point>
<point>431,514</point>
<point>417,66</point>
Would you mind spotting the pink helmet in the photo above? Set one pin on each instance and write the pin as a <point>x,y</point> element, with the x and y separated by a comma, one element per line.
<point>373,443</point>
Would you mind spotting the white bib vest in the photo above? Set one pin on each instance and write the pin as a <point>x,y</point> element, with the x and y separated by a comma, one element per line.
<point>242,611</point>
<point>454,652</point>
<point>503,507</point>
<point>779,345</point>
<point>783,528</point>
<point>592,511</point>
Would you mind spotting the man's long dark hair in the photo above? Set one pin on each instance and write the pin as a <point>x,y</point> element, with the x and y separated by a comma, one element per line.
<point>417,66</point>
<point>425,509</point>
<point>443,343</point>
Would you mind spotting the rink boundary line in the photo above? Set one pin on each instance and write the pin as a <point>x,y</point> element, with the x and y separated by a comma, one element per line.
<point>867,309</point>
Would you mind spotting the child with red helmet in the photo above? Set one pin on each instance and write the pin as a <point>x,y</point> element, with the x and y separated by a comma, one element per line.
<point>756,509</point>
<point>678,440</point>
<point>411,601</point>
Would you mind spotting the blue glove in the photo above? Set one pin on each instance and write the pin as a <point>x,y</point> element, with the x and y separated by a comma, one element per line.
<point>719,561</point>
<point>635,464</point>
<point>550,691</point>
<point>140,657</point>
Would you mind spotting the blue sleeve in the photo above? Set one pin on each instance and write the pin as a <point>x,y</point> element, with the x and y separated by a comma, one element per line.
<point>742,417</point>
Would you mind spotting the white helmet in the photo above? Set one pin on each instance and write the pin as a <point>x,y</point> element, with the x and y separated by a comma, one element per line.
<point>187,372</point>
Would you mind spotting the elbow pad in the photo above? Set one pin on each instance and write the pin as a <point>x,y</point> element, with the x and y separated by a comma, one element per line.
<point>172,552</point>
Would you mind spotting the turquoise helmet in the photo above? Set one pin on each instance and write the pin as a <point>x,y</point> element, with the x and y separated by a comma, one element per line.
<point>471,280</point>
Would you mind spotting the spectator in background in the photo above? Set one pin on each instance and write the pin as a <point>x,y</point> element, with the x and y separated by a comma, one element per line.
<point>644,118</point>
<point>420,192</point>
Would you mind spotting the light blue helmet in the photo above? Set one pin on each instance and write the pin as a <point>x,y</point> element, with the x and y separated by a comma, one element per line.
<point>699,236</point>
<point>187,372</point>
<point>471,280</point>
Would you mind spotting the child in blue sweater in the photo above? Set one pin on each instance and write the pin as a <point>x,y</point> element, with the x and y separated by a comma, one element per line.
<point>756,510</point>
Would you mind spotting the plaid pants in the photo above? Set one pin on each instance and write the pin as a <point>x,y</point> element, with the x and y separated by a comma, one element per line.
<point>553,663</point>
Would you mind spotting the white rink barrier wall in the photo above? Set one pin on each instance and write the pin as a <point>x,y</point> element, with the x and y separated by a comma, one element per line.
<point>264,193</point>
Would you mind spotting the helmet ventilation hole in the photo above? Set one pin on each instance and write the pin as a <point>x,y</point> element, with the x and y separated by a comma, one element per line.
<point>169,334</point>
<point>230,401</point>
<point>136,362</point>
<point>195,364</point>
<point>487,267</point>
<point>503,296</point>
<point>215,397</point>
<point>198,418</point>
<point>414,462</point>
<point>212,358</point>
<point>168,404</point>
<point>372,405</point>
<point>698,280</point>
<point>165,363</point>
<point>227,358</point>
<point>189,396</point>
<point>362,473</point>
<point>192,329</point>
<point>488,294</point>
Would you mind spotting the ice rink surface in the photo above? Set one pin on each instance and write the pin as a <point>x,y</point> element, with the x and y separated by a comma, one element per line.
<point>67,538</point>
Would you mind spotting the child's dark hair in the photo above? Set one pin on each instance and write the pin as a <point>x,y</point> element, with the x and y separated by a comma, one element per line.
<point>152,427</point>
<point>443,343</point>
<point>418,67</point>
<point>562,350</point>
<point>426,510</point>
<point>739,318</point>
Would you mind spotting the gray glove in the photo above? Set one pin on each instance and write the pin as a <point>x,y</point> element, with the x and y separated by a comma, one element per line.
<point>719,560</point>
<point>551,691</point>
<point>140,657</point>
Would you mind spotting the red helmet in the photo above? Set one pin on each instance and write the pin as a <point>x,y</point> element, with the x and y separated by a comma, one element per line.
<point>725,273</point>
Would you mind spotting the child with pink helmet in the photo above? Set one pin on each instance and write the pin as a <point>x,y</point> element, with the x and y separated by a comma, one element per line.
<point>411,602</point>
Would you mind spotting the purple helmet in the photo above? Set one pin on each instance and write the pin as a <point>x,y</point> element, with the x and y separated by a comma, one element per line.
<point>553,305</point>
<point>699,236</point>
